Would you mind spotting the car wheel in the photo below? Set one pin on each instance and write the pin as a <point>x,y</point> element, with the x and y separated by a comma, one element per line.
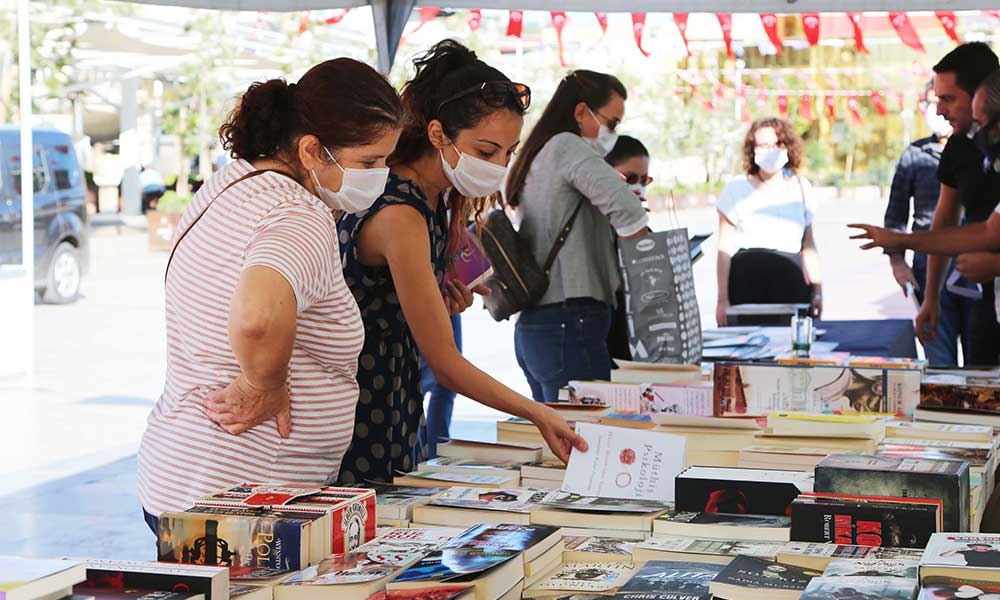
<point>62,283</point>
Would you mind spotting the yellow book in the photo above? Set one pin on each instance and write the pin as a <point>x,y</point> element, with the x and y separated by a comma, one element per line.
<point>826,425</point>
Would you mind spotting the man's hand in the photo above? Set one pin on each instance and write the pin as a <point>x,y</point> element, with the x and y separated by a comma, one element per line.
<point>927,319</point>
<point>880,237</point>
<point>902,273</point>
<point>978,266</point>
<point>241,407</point>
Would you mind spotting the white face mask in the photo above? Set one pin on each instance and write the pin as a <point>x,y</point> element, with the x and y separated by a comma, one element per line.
<point>605,140</point>
<point>474,177</point>
<point>770,160</point>
<point>638,189</point>
<point>359,189</point>
<point>938,125</point>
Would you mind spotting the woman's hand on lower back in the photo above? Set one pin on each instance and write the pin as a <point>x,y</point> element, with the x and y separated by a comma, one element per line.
<point>241,406</point>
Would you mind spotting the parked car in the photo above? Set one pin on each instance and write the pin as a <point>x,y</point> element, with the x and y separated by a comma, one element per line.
<point>61,247</point>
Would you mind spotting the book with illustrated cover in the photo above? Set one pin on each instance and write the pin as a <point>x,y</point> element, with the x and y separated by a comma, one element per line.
<point>473,478</point>
<point>607,517</point>
<point>670,580</point>
<point>720,552</point>
<point>625,463</point>
<point>543,469</point>
<point>958,555</point>
<point>761,388</point>
<point>872,567</point>
<point>397,502</point>
<point>865,475</point>
<point>947,588</point>
<point>531,540</point>
<point>232,541</point>
<point>454,563</point>
<point>505,499</point>
<point>210,581</point>
<point>864,520</point>
<point>747,577</point>
<point>861,588</point>
<point>469,264</point>
<point>938,431</point>
<point>582,578</point>
<point>398,546</point>
<point>680,398</point>
<point>739,491</point>
<point>250,592</point>
<point>960,393</point>
<point>450,464</point>
<point>597,549</point>
<point>130,593</point>
<point>33,578</point>
<point>819,556</point>
<point>349,576</point>
<point>723,526</point>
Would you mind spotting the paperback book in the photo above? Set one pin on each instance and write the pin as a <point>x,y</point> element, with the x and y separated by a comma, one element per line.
<point>703,550</point>
<point>972,556</point>
<point>582,578</point>
<point>747,577</point>
<point>670,580</point>
<point>739,491</point>
<point>860,588</point>
<point>872,567</point>
<point>865,520</point>
<point>723,526</point>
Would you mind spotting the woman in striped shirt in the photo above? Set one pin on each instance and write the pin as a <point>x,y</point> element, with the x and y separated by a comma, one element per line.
<point>263,334</point>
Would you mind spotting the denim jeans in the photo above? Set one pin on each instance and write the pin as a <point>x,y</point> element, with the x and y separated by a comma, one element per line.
<point>559,343</point>
<point>151,521</point>
<point>442,400</point>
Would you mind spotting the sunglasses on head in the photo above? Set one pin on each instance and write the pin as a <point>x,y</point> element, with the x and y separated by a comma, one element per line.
<point>495,94</point>
<point>632,179</point>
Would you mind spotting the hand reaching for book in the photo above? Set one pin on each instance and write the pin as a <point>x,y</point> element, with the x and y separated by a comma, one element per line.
<point>559,436</point>
<point>241,406</point>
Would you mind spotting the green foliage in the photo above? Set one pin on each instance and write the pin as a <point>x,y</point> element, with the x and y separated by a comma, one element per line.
<point>171,201</point>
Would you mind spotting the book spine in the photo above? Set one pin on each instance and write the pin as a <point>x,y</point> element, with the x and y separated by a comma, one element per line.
<point>231,541</point>
<point>353,524</point>
<point>960,397</point>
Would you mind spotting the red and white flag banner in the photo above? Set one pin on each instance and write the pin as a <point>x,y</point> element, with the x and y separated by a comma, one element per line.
<point>638,26</point>
<point>515,23</point>
<point>770,23</point>
<point>810,25</point>
<point>907,32</point>
<point>859,34</point>
<point>559,23</point>
<point>726,23</point>
<point>681,20</point>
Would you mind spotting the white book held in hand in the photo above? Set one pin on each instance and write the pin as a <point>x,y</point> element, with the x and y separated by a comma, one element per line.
<point>625,463</point>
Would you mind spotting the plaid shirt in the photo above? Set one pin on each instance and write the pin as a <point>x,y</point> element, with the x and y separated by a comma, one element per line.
<point>916,178</point>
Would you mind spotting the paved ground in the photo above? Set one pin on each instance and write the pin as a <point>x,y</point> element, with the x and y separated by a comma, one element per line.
<point>67,474</point>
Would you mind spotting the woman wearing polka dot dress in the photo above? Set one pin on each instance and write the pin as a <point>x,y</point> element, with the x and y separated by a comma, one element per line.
<point>465,121</point>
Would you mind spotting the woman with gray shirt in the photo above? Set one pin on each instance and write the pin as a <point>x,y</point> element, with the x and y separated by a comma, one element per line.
<point>560,172</point>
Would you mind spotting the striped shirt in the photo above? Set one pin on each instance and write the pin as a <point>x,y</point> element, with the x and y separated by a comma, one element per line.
<point>271,221</point>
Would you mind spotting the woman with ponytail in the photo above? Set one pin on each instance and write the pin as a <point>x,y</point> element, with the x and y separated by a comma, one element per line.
<point>464,121</point>
<point>263,333</point>
<point>560,176</point>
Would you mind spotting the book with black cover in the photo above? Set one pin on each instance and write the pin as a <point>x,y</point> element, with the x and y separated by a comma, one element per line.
<point>896,477</point>
<point>868,521</point>
<point>860,588</point>
<point>133,593</point>
<point>454,564</point>
<point>739,491</point>
<point>670,580</point>
<point>725,519</point>
<point>758,574</point>
<point>108,573</point>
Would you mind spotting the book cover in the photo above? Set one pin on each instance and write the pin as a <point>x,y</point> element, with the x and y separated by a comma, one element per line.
<point>976,550</point>
<point>625,463</point>
<point>872,567</point>
<point>587,577</point>
<point>761,388</point>
<point>508,500</point>
<point>52,575</point>
<point>231,541</point>
<point>912,429</point>
<point>450,564</point>
<point>853,521</point>
<point>450,462</point>
<point>469,264</point>
<point>749,572</point>
<point>945,588</point>
<point>460,478</point>
<point>210,581</point>
<point>340,569</point>
<point>517,538</point>
<point>399,547</point>
<point>766,550</point>
<point>670,580</point>
<point>681,398</point>
<point>726,519</point>
<point>739,491</point>
<point>946,392</point>
<point>848,551</point>
<point>599,545</point>
<point>572,501</point>
<point>866,475</point>
<point>438,592</point>
<point>861,588</point>
<point>131,593</point>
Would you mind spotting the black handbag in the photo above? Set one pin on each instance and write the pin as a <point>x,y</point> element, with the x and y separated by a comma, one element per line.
<point>518,281</point>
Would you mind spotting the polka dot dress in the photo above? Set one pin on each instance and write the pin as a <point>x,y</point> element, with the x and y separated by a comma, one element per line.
<point>390,410</point>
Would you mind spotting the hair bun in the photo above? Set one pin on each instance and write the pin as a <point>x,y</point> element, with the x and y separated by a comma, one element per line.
<point>260,122</point>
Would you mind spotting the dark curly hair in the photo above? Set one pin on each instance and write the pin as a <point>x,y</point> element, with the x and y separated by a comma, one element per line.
<point>786,135</point>
<point>342,102</point>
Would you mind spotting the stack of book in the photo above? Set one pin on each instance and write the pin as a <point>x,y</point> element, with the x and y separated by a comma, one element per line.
<point>467,506</point>
<point>543,475</point>
<point>865,520</point>
<point>818,556</point>
<point>510,451</point>
<point>823,432</point>
<point>889,579</point>
<point>629,371</point>
<point>394,504</point>
<point>703,550</point>
<point>692,397</point>
<point>956,565</point>
<point>39,579</point>
<point>961,397</point>
<point>710,441</point>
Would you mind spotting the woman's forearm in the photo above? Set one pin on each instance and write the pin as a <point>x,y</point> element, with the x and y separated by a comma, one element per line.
<point>722,265</point>
<point>262,320</point>
<point>811,267</point>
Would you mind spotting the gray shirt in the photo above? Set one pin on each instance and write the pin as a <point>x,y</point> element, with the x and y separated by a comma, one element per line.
<point>566,170</point>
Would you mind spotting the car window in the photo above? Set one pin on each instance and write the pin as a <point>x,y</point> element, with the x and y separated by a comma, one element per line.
<point>40,173</point>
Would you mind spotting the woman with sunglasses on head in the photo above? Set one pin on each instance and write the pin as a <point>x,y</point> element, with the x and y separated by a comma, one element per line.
<point>464,123</point>
<point>767,215</point>
<point>263,334</point>
<point>560,174</point>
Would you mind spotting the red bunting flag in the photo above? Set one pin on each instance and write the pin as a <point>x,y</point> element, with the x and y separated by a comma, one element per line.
<point>638,26</point>
<point>602,20</point>
<point>304,23</point>
<point>726,23</point>
<point>831,106</point>
<point>859,34</point>
<point>559,22</point>
<point>515,23</point>
<point>708,104</point>
<point>907,32</point>
<point>761,99</point>
<point>770,23</point>
<point>426,14</point>
<point>337,16</point>
<point>948,21</point>
<point>878,100</point>
<point>853,107</point>
<point>805,107</point>
<point>475,19</point>
<point>681,20</point>
<point>783,103</point>
<point>741,101</point>
<point>810,24</point>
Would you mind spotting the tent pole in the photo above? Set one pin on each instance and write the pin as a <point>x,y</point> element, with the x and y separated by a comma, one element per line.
<point>27,187</point>
<point>389,18</point>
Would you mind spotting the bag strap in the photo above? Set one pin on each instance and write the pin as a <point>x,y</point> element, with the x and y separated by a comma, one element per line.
<point>561,239</point>
<point>210,202</point>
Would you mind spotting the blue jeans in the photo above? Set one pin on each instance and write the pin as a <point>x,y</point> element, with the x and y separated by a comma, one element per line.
<point>151,521</point>
<point>563,342</point>
<point>442,400</point>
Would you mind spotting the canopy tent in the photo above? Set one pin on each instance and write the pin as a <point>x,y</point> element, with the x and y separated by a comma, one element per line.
<point>390,16</point>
